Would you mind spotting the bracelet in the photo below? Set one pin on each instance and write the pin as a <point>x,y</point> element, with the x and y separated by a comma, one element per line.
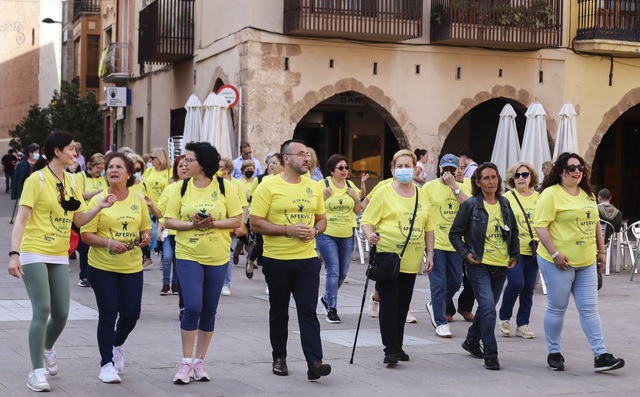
<point>109,245</point>
<point>285,229</point>
<point>553,256</point>
<point>602,252</point>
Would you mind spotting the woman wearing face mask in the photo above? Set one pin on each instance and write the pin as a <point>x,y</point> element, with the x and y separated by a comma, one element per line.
<point>23,170</point>
<point>385,223</point>
<point>50,202</point>
<point>242,239</point>
<point>93,183</point>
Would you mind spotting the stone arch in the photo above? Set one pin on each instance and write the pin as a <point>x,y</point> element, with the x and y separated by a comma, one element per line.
<point>386,106</point>
<point>522,96</point>
<point>629,100</point>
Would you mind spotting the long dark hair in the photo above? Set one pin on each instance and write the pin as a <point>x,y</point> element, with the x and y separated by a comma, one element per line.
<point>477,174</point>
<point>555,175</point>
<point>56,140</point>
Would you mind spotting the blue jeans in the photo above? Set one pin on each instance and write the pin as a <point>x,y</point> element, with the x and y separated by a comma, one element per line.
<point>336,254</point>
<point>201,286</point>
<point>169,261</point>
<point>227,276</point>
<point>582,282</point>
<point>521,280</point>
<point>444,282</point>
<point>487,282</point>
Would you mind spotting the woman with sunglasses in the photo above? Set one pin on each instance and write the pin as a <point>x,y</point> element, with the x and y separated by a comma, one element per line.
<point>521,280</point>
<point>51,200</point>
<point>572,246</point>
<point>342,203</point>
<point>115,263</point>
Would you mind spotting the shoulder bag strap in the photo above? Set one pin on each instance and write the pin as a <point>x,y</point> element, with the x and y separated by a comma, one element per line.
<point>413,218</point>
<point>526,218</point>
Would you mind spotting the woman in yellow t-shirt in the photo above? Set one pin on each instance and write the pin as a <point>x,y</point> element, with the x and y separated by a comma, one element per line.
<point>342,203</point>
<point>158,176</point>
<point>203,217</point>
<point>248,170</point>
<point>490,247</point>
<point>141,187</point>
<point>92,183</point>
<point>388,215</point>
<point>51,200</point>
<point>521,280</point>
<point>115,263</point>
<point>572,248</point>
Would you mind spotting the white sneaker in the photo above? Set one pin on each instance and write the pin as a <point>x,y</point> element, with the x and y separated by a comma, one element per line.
<point>225,291</point>
<point>525,332</point>
<point>411,318</point>
<point>184,373</point>
<point>118,358</point>
<point>373,308</point>
<point>199,373</point>
<point>108,374</point>
<point>443,331</point>
<point>38,380</point>
<point>50,362</point>
<point>430,311</point>
<point>504,327</point>
<point>266,291</point>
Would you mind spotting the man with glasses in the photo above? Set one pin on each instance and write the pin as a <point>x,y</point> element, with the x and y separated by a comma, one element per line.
<point>288,210</point>
<point>245,154</point>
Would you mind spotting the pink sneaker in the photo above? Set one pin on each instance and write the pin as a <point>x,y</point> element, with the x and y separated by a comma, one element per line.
<point>184,372</point>
<point>199,373</point>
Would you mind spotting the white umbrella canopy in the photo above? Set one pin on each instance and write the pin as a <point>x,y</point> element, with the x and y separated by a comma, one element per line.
<point>567,136</point>
<point>217,128</point>
<point>506,149</point>
<point>535,144</point>
<point>192,121</point>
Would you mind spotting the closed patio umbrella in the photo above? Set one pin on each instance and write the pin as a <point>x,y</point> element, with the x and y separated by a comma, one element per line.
<point>535,143</point>
<point>567,136</point>
<point>216,127</point>
<point>506,149</point>
<point>192,121</point>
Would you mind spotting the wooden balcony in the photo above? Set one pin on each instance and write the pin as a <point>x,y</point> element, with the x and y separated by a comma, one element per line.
<point>608,27</point>
<point>381,20</point>
<point>497,24</point>
<point>166,32</point>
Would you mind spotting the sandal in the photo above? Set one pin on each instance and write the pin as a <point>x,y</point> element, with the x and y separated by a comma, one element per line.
<point>248,273</point>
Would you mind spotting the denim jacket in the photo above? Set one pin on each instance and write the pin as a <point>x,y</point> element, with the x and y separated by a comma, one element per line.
<point>471,224</point>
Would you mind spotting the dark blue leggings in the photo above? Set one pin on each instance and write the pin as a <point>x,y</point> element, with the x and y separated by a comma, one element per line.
<point>201,286</point>
<point>118,296</point>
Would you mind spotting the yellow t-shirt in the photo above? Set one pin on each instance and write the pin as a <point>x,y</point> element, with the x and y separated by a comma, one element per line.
<point>255,183</point>
<point>339,209</point>
<point>123,222</point>
<point>529,204</point>
<point>378,186</point>
<point>141,189</point>
<point>240,191</point>
<point>572,223</point>
<point>170,190</point>
<point>156,182</point>
<point>443,207</point>
<point>90,184</point>
<point>285,203</point>
<point>246,187</point>
<point>496,251</point>
<point>206,246</point>
<point>390,214</point>
<point>48,229</point>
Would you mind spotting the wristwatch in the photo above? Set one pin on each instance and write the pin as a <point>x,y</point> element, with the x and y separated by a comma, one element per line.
<point>11,253</point>
<point>457,191</point>
<point>317,231</point>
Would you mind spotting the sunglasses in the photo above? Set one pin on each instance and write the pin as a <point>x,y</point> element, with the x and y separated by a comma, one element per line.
<point>573,168</point>
<point>343,167</point>
<point>138,169</point>
<point>152,157</point>
<point>524,175</point>
<point>450,170</point>
<point>68,205</point>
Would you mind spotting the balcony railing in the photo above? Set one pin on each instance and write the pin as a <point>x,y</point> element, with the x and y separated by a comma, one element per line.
<point>387,20</point>
<point>166,32</point>
<point>85,6</point>
<point>500,24</point>
<point>114,65</point>
<point>609,20</point>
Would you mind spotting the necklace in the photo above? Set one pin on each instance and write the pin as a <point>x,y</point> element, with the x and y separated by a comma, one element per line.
<point>61,182</point>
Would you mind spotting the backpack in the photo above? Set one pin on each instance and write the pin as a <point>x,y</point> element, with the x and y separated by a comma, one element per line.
<point>185,182</point>
<point>326,182</point>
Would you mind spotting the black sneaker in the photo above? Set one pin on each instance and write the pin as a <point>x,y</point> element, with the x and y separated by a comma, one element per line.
<point>325,305</point>
<point>165,289</point>
<point>606,362</point>
<point>84,282</point>
<point>390,359</point>
<point>180,314</point>
<point>555,361</point>
<point>492,364</point>
<point>332,316</point>
<point>402,356</point>
<point>475,350</point>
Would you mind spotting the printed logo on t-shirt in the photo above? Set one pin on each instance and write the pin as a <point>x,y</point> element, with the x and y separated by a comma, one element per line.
<point>299,216</point>
<point>585,223</point>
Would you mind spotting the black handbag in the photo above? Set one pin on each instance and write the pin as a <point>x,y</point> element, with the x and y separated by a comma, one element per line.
<point>385,266</point>
<point>533,243</point>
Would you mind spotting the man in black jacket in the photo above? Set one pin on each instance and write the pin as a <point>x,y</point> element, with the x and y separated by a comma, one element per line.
<point>23,170</point>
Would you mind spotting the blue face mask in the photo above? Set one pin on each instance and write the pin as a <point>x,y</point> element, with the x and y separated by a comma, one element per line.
<point>103,173</point>
<point>403,175</point>
<point>36,156</point>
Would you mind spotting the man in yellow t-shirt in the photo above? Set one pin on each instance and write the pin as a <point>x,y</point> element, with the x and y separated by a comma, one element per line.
<point>288,210</point>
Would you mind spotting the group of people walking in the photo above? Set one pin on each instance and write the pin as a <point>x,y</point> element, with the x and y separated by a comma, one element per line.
<point>464,230</point>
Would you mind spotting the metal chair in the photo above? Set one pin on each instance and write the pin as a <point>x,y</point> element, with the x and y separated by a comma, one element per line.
<point>607,228</point>
<point>635,230</point>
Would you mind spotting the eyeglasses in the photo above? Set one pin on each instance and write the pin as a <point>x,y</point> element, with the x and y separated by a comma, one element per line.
<point>450,170</point>
<point>306,155</point>
<point>152,157</point>
<point>275,163</point>
<point>246,153</point>
<point>573,168</point>
<point>188,160</point>
<point>524,175</point>
<point>343,167</point>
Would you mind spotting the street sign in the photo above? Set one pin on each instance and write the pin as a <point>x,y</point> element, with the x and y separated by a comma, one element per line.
<point>117,97</point>
<point>230,94</point>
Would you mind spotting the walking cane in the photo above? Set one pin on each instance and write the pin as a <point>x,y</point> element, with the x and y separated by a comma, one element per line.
<point>372,254</point>
<point>14,211</point>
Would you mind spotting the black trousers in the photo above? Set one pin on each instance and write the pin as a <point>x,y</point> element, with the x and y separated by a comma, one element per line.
<point>395,298</point>
<point>466,298</point>
<point>300,277</point>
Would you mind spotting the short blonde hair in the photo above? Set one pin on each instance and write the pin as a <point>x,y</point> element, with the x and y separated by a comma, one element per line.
<point>404,152</point>
<point>511,174</point>
<point>163,157</point>
<point>246,164</point>
<point>96,159</point>
<point>313,161</point>
<point>228,163</point>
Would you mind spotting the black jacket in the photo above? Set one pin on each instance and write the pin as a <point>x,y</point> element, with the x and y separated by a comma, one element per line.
<point>22,172</point>
<point>471,224</point>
